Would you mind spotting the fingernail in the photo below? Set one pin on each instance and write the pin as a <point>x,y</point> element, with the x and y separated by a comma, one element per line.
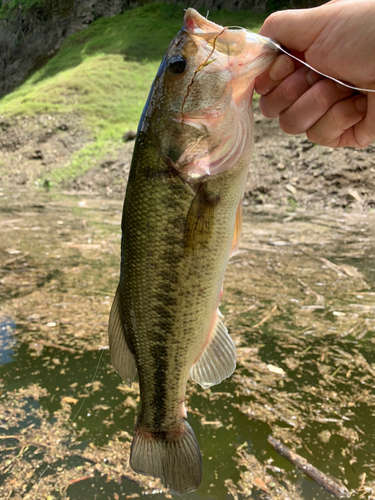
<point>312,77</point>
<point>281,68</point>
<point>361,104</point>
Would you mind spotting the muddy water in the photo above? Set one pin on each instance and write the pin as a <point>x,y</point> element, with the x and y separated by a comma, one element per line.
<point>299,300</point>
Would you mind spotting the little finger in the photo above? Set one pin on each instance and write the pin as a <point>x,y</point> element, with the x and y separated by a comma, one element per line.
<point>336,128</point>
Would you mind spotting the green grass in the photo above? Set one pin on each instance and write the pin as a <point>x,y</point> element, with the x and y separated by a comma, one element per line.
<point>104,73</point>
<point>13,7</point>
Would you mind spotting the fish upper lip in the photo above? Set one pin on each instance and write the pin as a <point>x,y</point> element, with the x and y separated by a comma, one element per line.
<point>193,20</point>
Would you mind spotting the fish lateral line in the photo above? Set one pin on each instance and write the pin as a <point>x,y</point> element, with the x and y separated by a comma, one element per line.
<point>200,67</point>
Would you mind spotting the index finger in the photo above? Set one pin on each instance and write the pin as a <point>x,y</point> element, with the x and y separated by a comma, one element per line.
<point>296,29</point>
<point>280,69</point>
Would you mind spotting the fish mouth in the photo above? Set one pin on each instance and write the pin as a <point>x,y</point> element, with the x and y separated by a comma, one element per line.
<point>195,24</point>
<point>242,51</point>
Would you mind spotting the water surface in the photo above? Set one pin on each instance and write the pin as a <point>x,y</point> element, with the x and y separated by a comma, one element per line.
<point>299,303</point>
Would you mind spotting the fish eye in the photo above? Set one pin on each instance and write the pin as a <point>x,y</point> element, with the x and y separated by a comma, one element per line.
<point>176,65</point>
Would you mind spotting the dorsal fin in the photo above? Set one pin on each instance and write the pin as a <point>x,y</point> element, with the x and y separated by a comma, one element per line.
<point>218,360</point>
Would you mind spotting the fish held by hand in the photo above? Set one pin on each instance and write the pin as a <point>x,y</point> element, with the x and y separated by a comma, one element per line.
<point>181,222</point>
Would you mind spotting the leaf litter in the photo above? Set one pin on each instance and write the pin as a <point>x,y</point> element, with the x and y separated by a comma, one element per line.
<point>298,301</point>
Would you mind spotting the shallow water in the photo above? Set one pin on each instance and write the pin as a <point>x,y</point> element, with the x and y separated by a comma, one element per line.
<point>298,301</point>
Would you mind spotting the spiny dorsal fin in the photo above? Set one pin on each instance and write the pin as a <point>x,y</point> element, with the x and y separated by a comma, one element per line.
<point>237,229</point>
<point>218,360</point>
<point>174,457</point>
<point>121,357</point>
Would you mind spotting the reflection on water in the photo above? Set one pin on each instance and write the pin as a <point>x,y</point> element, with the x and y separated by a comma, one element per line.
<point>7,341</point>
<point>299,303</point>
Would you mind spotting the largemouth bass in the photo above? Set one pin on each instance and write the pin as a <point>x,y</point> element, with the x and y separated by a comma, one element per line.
<point>181,223</point>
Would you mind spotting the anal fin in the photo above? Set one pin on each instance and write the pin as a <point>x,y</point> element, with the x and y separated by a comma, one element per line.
<point>121,357</point>
<point>218,360</point>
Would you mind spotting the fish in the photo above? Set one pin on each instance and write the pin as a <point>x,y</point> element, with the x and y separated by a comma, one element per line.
<point>181,222</point>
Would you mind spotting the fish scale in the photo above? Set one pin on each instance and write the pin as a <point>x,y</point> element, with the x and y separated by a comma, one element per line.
<point>181,222</point>
<point>161,292</point>
<point>150,247</point>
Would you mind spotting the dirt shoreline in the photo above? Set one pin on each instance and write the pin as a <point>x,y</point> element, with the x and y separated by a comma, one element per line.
<point>286,170</point>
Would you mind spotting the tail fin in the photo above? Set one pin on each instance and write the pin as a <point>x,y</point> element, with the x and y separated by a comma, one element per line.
<point>174,457</point>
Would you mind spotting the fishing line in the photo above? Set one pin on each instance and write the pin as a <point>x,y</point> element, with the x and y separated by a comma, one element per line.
<point>40,477</point>
<point>205,63</point>
<point>277,45</point>
<point>316,71</point>
<point>82,403</point>
<point>90,384</point>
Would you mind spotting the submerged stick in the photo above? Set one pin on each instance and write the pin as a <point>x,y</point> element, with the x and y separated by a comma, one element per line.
<point>333,486</point>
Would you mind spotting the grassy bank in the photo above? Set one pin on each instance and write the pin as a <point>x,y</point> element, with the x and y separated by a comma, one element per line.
<point>104,73</point>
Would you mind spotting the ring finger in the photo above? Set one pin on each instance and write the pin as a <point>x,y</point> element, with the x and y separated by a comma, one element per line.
<point>312,105</point>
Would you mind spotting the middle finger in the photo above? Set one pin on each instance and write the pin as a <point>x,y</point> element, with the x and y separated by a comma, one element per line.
<point>287,92</point>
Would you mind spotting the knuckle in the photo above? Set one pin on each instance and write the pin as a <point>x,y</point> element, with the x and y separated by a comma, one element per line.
<point>314,137</point>
<point>266,108</point>
<point>288,125</point>
<point>339,115</point>
<point>288,93</point>
<point>319,99</point>
<point>262,85</point>
<point>364,142</point>
<point>272,20</point>
<point>318,137</point>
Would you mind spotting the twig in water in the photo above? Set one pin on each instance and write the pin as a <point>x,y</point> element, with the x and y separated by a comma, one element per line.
<point>333,266</point>
<point>56,346</point>
<point>319,298</point>
<point>266,317</point>
<point>333,486</point>
<point>15,259</point>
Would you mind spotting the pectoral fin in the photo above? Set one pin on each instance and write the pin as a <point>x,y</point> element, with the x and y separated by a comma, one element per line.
<point>200,219</point>
<point>218,360</point>
<point>121,357</point>
<point>237,229</point>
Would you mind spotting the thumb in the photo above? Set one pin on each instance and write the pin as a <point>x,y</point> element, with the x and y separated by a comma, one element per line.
<point>295,29</point>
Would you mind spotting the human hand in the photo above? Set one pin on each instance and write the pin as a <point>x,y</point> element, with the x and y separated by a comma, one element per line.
<point>338,39</point>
